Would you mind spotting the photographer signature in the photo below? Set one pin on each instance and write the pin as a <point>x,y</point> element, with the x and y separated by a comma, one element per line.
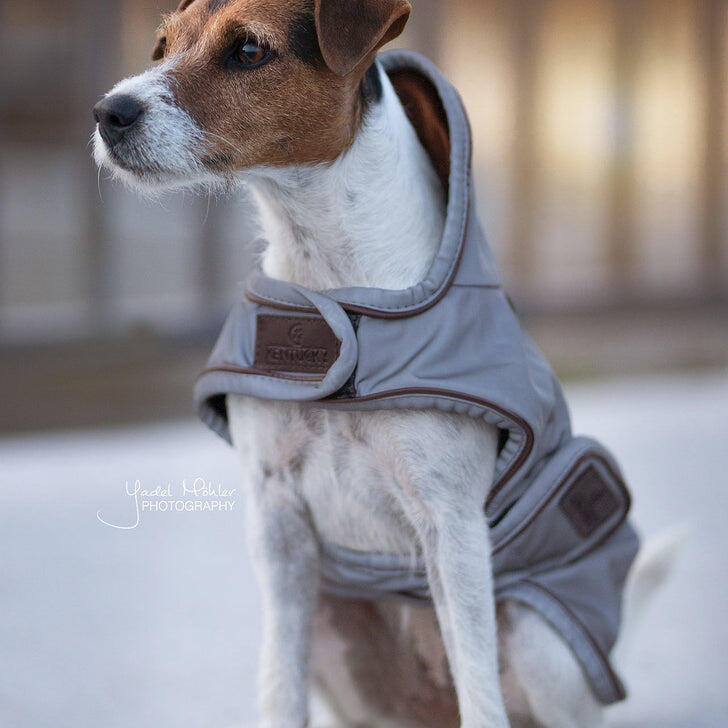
<point>197,496</point>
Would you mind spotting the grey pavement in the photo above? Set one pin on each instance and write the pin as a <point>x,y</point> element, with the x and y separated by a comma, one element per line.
<point>158,626</point>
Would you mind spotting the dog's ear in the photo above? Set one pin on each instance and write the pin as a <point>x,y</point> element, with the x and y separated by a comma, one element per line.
<point>349,31</point>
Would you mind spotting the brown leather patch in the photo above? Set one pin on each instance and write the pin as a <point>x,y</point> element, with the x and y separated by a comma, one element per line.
<point>296,344</point>
<point>589,502</point>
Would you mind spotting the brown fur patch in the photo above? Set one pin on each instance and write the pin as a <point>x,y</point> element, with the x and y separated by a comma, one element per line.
<point>398,666</point>
<point>289,111</point>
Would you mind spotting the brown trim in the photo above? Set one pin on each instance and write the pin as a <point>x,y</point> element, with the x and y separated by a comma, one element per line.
<point>497,487</point>
<point>586,457</point>
<point>374,312</point>
<point>278,306</point>
<point>528,431</point>
<point>616,682</point>
<point>232,369</point>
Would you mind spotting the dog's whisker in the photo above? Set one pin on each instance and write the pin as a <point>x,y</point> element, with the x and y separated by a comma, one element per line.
<point>223,139</point>
<point>98,185</point>
<point>207,211</point>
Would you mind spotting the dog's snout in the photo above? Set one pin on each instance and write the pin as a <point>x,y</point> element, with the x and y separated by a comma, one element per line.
<point>115,115</point>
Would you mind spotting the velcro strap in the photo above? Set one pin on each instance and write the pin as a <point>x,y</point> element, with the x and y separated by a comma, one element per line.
<point>575,502</point>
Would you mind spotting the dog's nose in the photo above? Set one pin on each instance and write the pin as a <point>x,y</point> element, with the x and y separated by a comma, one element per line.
<point>115,115</point>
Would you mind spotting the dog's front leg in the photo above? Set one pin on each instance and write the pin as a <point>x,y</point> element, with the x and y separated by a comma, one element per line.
<point>285,557</point>
<point>457,551</point>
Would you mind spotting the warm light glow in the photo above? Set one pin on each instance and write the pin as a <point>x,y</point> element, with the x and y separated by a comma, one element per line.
<point>668,147</point>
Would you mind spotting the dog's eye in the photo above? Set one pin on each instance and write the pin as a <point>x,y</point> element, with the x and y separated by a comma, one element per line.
<point>251,54</point>
<point>159,49</point>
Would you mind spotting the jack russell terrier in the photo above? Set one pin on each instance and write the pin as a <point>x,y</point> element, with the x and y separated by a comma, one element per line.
<point>378,387</point>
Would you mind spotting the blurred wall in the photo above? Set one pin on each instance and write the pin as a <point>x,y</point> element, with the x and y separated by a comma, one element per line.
<point>601,155</point>
<point>80,257</point>
<point>600,142</point>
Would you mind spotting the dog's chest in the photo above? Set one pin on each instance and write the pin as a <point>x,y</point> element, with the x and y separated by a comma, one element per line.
<point>360,474</point>
<point>341,464</point>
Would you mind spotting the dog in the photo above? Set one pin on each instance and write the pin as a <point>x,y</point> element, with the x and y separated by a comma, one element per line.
<point>285,98</point>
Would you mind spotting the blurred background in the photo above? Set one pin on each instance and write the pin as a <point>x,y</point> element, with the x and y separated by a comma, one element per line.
<point>602,161</point>
<point>601,156</point>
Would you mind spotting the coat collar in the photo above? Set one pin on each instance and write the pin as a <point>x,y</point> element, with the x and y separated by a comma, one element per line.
<point>407,302</point>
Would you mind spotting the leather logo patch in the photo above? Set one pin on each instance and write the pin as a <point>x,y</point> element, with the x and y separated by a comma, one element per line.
<point>589,502</point>
<point>296,344</point>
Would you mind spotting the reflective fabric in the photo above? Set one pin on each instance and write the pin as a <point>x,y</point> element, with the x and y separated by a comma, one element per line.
<point>558,505</point>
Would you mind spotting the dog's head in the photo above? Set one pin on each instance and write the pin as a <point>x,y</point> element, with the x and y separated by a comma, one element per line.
<point>244,84</point>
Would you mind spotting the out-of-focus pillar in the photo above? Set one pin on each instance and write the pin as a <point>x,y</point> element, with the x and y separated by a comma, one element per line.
<point>3,135</point>
<point>712,23</point>
<point>526,19</point>
<point>97,68</point>
<point>628,28</point>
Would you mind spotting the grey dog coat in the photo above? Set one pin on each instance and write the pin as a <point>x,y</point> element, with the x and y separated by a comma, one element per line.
<point>558,505</point>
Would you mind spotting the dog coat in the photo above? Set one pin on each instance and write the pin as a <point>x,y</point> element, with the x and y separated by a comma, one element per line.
<point>558,505</point>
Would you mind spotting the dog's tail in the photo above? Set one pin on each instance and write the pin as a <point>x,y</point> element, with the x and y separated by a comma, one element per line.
<point>652,568</point>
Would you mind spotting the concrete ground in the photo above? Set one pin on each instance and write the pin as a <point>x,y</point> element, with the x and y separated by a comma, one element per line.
<point>158,627</point>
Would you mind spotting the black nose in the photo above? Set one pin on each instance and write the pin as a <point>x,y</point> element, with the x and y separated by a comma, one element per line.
<point>115,115</point>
